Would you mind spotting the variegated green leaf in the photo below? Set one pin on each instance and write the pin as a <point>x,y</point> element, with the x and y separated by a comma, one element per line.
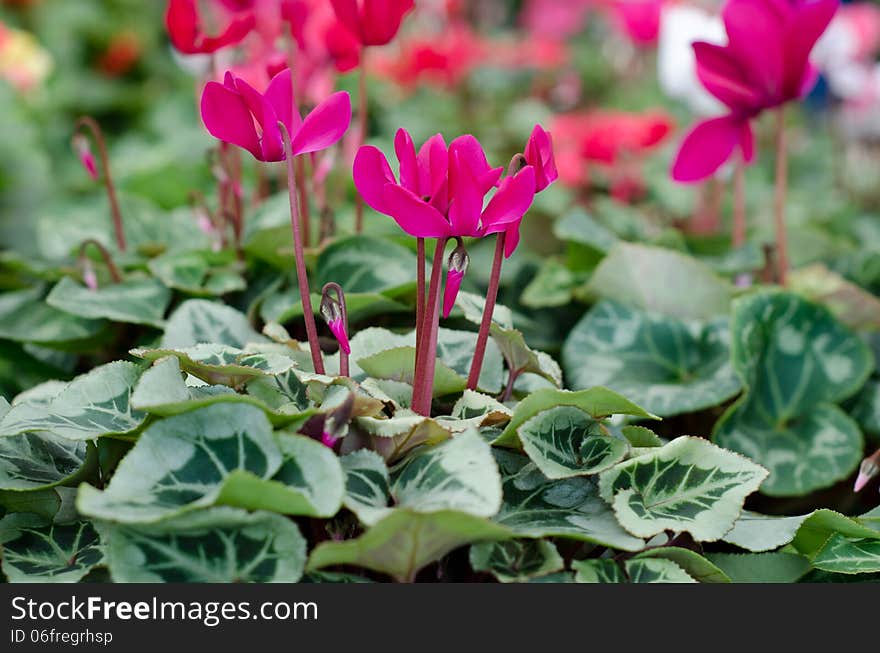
<point>777,567</point>
<point>687,485</point>
<point>200,273</point>
<point>135,301</point>
<point>94,404</point>
<point>367,485</point>
<point>38,552</point>
<point>35,461</point>
<point>757,533</point>
<point>598,570</point>
<point>535,506</point>
<point>659,570</point>
<point>565,441</point>
<point>199,321</point>
<point>181,463</point>
<point>796,360</point>
<point>516,561</point>
<point>847,556</point>
<point>218,545</point>
<point>403,542</point>
<point>25,317</point>
<point>597,402</point>
<point>693,564</point>
<point>664,364</point>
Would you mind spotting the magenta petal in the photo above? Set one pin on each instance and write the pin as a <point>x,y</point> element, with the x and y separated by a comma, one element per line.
<point>433,163</point>
<point>466,206</point>
<point>406,155</point>
<point>469,151</point>
<point>347,13</point>
<point>539,154</point>
<point>371,172</point>
<point>87,159</point>
<point>511,239</point>
<point>747,142</point>
<point>271,143</point>
<point>808,22</point>
<point>510,203</point>
<point>706,148</point>
<point>226,117</point>
<point>325,125</point>
<point>755,35</point>
<point>279,94</point>
<point>720,72</point>
<point>338,329</point>
<point>328,440</point>
<point>450,290</point>
<point>414,216</point>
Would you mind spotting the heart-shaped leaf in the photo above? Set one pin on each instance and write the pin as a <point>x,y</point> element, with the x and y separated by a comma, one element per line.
<point>662,363</point>
<point>687,485</point>
<point>37,552</point>
<point>199,321</point>
<point>516,561</point>
<point>134,301</point>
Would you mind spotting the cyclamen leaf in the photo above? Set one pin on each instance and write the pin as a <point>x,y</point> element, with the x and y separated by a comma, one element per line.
<point>36,552</point>
<point>661,280</point>
<point>761,567</point>
<point>565,441</point>
<point>405,541</point>
<point>134,301</point>
<point>368,264</point>
<point>649,570</point>
<point>796,361</point>
<point>535,506</point>
<point>845,556</point>
<point>695,565</point>
<point>94,404</point>
<point>367,485</point>
<point>516,561</point>
<point>200,273</point>
<point>598,570</point>
<point>25,317</point>
<point>660,362</point>
<point>597,402</point>
<point>687,485</point>
<point>757,533</point>
<point>181,463</point>
<point>36,461</point>
<point>199,321</point>
<point>218,545</point>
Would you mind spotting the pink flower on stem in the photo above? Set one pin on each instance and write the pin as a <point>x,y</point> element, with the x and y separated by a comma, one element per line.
<point>372,22</point>
<point>764,65</point>
<point>538,153</point>
<point>236,113</point>
<point>86,158</point>
<point>186,27</point>
<point>441,190</point>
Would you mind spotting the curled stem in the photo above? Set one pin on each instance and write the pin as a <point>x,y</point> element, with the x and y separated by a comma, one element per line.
<point>301,274</point>
<point>340,299</point>
<point>488,310</point>
<point>90,124</point>
<point>105,256</point>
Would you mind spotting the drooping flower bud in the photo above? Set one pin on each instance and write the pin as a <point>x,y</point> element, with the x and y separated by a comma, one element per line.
<point>333,313</point>
<point>90,278</point>
<point>457,268</point>
<point>84,151</point>
<point>867,470</point>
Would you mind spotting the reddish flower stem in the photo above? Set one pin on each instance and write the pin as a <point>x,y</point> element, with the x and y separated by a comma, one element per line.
<point>781,189</point>
<point>488,310</point>
<point>116,214</point>
<point>423,385</point>
<point>304,201</point>
<point>362,129</point>
<point>301,274</point>
<point>105,255</point>
<point>739,203</point>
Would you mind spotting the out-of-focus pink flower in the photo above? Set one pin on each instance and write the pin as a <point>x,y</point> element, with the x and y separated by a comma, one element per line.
<point>764,65</point>
<point>84,153</point>
<point>639,20</point>
<point>372,22</point>
<point>23,63</point>
<point>538,153</point>
<point>554,19</point>
<point>441,190</point>
<point>237,113</point>
<point>444,59</point>
<point>186,29</point>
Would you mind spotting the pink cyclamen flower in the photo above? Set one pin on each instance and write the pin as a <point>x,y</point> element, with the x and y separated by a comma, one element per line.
<point>538,153</point>
<point>764,65</point>
<point>639,20</point>
<point>372,22</point>
<point>441,190</point>
<point>186,27</point>
<point>456,269</point>
<point>237,113</point>
<point>334,316</point>
<point>867,470</point>
<point>86,158</point>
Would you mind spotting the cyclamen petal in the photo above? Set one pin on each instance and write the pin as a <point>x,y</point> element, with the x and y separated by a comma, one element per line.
<point>406,155</point>
<point>279,94</point>
<point>371,173</point>
<point>86,158</point>
<point>706,148</point>
<point>511,239</point>
<point>539,154</point>
<point>720,74</point>
<point>227,117</point>
<point>450,290</point>
<point>184,25</point>
<point>510,203</point>
<point>338,330</point>
<point>414,216</point>
<point>466,206</point>
<point>324,125</point>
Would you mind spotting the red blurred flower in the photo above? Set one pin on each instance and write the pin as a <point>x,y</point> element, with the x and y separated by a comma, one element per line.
<point>186,27</point>
<point>372,22</point>
<point>121,54</point>
<point>554,19</point>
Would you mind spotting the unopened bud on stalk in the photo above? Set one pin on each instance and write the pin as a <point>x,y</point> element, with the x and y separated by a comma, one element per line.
<point>457,267</point>
<point>83,150</point>
<point>517,163</point>
<point>867,470</point>
<point>90,278</point>
<point>333,313</point>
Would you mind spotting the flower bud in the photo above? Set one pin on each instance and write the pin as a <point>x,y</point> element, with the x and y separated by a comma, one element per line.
<point>457,268</point>
<point>867,470</point>
<point>84,151</point>
<point>333,313</point>
<point>90,278</point>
